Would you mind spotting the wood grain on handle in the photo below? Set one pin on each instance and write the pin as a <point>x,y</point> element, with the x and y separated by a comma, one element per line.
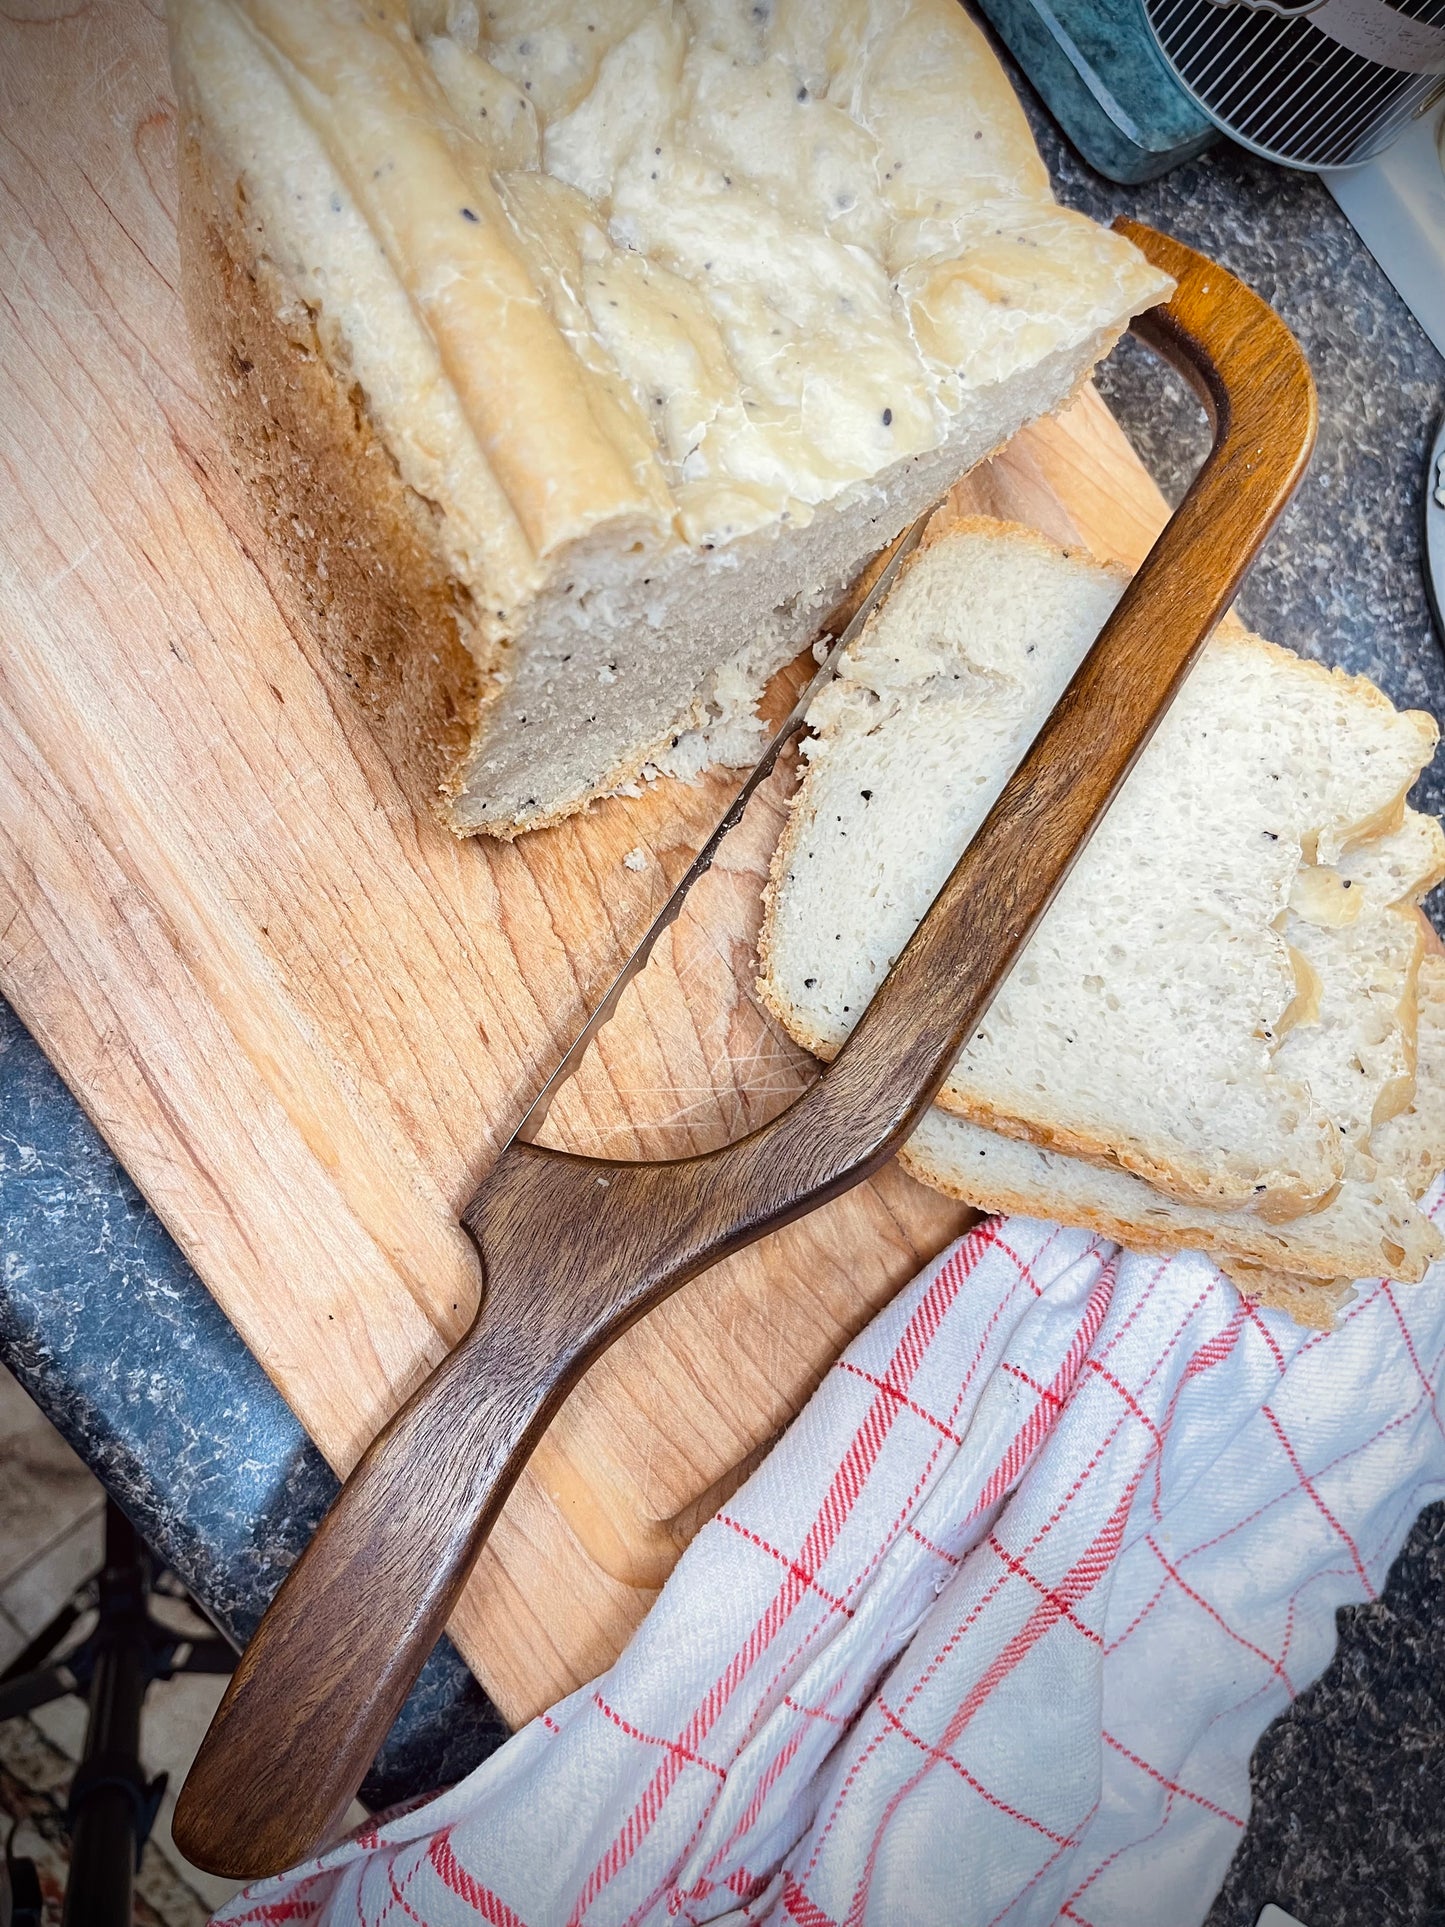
<point>575,1248</point>
<point>343,1644</point>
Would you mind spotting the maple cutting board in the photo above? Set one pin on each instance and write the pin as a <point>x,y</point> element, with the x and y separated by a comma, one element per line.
<point>304,1019</point>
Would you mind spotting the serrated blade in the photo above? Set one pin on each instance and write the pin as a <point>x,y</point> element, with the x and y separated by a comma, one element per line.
<point>892,561</point>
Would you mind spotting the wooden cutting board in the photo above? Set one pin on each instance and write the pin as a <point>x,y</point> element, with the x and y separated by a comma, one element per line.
<point>305,1020</point>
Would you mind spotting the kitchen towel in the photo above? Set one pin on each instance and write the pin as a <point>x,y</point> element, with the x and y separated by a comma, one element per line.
<point>987,1640</point>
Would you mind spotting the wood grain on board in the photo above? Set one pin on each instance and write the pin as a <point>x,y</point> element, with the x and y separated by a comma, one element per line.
<point>307,1020</point>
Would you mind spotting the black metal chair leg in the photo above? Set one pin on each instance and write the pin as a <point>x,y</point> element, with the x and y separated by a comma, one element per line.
<point>112,1805</point>
<point>31,1658</point>
<point>36,1688</point>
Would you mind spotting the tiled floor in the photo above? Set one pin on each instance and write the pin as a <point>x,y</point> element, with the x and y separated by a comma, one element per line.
<point>51,1521</point>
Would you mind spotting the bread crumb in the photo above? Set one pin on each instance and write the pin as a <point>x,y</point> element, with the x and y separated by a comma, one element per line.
<point>635,859</point>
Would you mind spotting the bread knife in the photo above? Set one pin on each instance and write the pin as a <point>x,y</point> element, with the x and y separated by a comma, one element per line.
<point>574,1249</point>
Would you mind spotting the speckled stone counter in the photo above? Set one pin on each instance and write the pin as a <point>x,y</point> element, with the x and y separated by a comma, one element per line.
<point>107,1326</point>
<point>114,1336</point>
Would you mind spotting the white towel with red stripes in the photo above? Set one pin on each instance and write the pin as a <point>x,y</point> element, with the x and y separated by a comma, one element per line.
<point>989,1638</point>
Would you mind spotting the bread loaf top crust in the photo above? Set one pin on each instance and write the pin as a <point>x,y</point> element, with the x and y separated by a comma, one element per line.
<point>647,275</point>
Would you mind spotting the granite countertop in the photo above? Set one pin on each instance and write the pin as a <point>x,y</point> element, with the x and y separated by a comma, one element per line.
<point>109,1329</point>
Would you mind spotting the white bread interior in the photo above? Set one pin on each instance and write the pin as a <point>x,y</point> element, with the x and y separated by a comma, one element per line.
<point>576,358</point>
<point>1220,1002</point>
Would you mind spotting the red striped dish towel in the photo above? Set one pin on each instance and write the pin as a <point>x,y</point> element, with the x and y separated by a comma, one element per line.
<point>987,1640</point>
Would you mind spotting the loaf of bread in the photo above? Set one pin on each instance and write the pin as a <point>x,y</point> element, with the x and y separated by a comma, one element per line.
<point>1206,1040</point>
<point>576,357</point>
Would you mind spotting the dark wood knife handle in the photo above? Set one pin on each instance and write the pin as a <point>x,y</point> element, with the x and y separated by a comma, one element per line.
<point>575,1248</point>
<point>353,1624</point>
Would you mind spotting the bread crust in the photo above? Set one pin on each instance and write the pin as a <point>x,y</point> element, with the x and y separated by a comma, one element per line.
<point>353,540</point>
<point>1309,1287</point>
<point>1308,1300</point>
<point>1222,1248</point>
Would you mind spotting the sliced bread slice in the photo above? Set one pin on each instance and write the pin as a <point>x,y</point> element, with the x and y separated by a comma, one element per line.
<point>1372,1227</point>
<point>1143,1022</point>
